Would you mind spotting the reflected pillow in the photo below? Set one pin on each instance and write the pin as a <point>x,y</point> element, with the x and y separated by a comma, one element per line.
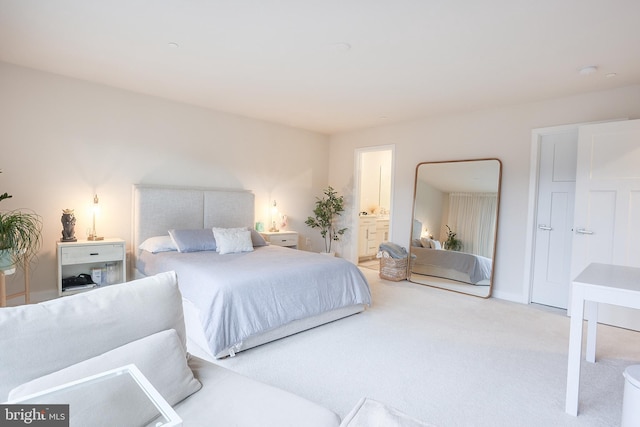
<point>193,240</point>
<point>158,244</point>
<point>435,244</point>
<point>233,240</point>
<point>426,242</point>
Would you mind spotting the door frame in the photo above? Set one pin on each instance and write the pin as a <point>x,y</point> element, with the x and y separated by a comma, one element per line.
<point>532,204</point>
<point>355,219</point>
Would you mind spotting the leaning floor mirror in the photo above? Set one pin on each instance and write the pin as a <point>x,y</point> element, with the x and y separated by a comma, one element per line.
<point>455,225</point>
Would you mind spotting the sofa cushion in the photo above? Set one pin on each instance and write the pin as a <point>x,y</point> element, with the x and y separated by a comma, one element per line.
<point>42,338</point>
<point>160,357</point>
<point>232,399</point>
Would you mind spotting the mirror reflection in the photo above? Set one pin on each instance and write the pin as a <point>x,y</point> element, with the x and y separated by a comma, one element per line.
<point>455,221</point>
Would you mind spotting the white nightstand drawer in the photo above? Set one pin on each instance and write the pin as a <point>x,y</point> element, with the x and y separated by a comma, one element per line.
<point>90,253</point>
<point>284,240</point>
<point>288,239</point>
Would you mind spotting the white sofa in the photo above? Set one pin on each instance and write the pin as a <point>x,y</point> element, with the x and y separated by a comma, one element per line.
<point>138,322</point>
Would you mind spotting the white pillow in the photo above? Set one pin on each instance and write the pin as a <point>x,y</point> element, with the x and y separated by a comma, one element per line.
<point>233,240</point>
<point>160,357</point>
<point>158,244</point>
<point>426,242</point>
<point>435,244</point>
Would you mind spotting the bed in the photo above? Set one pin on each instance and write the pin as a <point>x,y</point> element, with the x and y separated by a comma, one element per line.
<point>453,265</point>
<point>238,300</point>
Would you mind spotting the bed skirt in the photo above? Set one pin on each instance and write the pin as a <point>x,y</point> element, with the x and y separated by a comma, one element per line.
<point>198,346</point>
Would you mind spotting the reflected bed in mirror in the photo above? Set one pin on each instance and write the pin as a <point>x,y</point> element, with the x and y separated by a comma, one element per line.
<point>455,225</point>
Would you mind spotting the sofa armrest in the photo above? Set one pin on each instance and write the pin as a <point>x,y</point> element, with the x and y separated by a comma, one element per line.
<point>228,398</point>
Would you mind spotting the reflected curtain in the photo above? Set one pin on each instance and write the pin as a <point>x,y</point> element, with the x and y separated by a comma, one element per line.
<point>472,216</point>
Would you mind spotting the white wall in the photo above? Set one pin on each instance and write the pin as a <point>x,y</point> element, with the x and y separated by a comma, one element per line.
<point>430,214</point>
<point>64,140</point>
<point>504,133</point>
<point>376,181</point>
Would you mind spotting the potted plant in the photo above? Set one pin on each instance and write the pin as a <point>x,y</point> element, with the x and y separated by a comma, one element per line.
<point>20,236</point>
<point>452,243</point>
<point>325,212</point>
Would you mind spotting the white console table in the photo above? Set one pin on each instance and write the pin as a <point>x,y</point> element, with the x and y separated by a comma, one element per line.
<point>598,283</point>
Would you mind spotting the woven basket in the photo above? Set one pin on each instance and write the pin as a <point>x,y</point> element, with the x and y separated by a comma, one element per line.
<point>393,268</point>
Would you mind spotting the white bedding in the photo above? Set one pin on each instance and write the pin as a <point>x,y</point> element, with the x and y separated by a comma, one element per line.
<point>241,295</point>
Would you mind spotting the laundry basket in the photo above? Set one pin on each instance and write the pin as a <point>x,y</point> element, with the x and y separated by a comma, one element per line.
<point>392,268</point>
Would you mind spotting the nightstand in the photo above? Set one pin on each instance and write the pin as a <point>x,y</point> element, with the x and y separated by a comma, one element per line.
<point>288,239</point>
<point>81,257</point>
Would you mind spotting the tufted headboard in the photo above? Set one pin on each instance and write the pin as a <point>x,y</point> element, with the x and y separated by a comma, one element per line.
<point>157,209</point>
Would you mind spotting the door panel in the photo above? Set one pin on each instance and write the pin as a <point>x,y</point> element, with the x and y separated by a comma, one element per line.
<point>607,205</point>
<point>556,193</point>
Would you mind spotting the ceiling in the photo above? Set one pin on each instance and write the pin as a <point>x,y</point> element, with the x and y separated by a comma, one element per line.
<point>331,66</point>
<point>468,176</point>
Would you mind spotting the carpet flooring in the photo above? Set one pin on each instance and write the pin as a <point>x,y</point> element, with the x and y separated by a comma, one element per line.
<point>449,360</point>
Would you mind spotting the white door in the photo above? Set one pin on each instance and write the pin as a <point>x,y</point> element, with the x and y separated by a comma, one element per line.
<point>553,235</point>
<point>607,205</point>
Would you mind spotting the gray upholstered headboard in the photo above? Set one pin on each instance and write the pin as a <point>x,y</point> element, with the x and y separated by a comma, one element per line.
<point>157,209</point>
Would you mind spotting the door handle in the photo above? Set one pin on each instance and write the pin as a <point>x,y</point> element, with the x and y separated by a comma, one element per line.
<point>544,227</point>
<point>583,231</point>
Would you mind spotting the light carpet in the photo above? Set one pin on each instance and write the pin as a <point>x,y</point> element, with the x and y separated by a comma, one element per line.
<point>449,360</point>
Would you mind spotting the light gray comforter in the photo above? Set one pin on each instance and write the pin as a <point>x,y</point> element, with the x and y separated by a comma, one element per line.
<point>243,294</point>
<point>472,269</point>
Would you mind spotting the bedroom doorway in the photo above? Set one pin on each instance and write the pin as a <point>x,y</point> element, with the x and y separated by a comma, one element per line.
<point>373,200</point>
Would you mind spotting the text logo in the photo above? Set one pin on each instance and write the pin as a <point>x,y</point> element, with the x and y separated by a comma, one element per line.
<point>34,415</point>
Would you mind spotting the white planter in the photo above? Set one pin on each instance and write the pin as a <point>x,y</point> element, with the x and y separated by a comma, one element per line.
<point>5,260</point>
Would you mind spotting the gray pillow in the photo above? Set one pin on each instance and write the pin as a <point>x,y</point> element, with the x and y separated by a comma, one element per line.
<point>256,239</point>
<point>193,240</point>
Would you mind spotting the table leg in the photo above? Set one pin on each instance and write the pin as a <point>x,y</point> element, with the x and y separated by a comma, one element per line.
<point>575,351</point>
<point>3,290</point>
<point>592,328</point>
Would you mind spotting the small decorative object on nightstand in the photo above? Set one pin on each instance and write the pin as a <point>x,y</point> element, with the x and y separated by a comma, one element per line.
<point>288,239</point>
<point>68,226</point>
<point>84,256</point>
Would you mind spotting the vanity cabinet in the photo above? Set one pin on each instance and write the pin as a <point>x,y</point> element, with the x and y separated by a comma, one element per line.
<point>382,231</point>
<point>367,241</point>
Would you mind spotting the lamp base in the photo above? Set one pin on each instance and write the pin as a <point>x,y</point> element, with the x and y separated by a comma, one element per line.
<point>92,237</point>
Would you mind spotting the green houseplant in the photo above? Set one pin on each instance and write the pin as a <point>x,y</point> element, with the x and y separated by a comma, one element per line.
<point>452,243</point>
<point>20,236</point>
<point>325,212</point>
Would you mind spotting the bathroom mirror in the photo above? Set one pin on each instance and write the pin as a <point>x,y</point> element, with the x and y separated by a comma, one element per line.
<point>455,225</point>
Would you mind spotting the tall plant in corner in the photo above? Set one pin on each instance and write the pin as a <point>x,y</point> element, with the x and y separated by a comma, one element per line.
<point>20,236</point>
<point>327,209</point>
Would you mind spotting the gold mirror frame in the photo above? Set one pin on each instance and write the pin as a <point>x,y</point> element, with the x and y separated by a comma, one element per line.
<point>440,188</point>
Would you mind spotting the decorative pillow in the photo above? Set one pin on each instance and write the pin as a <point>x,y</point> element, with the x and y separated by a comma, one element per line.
<point>195,240</point>
<point>435,244</point>
<point>160,357</point>
<point>416,242</point>
<point>426,242</point>
<point>256,239</point>
<point>232,240</point>
<point>158,244</point>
